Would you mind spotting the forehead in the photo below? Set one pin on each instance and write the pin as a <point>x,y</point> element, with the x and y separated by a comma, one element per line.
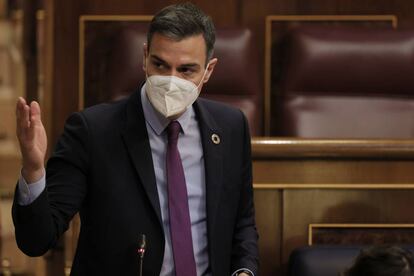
<point>188,50</point>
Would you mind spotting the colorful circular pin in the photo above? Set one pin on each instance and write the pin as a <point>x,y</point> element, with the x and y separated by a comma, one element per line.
<point>215,138</point>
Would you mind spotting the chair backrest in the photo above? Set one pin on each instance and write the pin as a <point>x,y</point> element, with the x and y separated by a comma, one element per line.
<point>324,260</point>
<point>321,260</point>
<point>235,81</point>
<point>347,82</point>
<point>124,70</point>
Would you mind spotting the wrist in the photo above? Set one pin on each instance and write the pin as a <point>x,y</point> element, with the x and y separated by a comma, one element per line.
<point>32,175</point>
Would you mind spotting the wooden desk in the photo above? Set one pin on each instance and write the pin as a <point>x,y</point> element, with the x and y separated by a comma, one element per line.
<point>337,184</point>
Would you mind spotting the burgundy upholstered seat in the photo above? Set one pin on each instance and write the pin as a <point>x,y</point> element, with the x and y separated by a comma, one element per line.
<point>346,82</point>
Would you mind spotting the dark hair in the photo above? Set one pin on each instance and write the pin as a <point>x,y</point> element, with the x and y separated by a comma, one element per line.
<point>181,21</point>
<point>383,261</point>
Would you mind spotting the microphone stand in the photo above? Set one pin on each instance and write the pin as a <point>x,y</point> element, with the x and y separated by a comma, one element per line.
<point>141,252</point>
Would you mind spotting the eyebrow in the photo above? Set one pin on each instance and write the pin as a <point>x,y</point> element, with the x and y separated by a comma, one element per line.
<point>158,59</point>
<point>181,65</point>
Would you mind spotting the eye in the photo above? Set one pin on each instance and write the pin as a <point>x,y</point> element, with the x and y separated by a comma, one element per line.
<point>186,71</point>
<point>158,64</point>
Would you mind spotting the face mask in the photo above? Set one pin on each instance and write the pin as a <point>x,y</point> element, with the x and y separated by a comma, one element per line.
<point>171,95</point>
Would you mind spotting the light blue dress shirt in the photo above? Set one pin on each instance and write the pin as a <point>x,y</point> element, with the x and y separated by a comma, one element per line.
<point>191,153</point>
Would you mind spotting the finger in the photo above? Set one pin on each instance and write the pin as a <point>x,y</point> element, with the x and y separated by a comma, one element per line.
<point>23,112</point>
<point>21,102</point>
<point>35,114</point>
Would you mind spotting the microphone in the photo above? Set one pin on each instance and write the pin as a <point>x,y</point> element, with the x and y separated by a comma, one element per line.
<point>141,251</point>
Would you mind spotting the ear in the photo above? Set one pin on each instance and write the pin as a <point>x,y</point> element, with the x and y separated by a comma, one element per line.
<point>210,69</point>
<point>145,51</point>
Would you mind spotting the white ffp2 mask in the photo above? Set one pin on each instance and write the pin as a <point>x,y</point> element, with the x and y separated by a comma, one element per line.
<point>171,95</point>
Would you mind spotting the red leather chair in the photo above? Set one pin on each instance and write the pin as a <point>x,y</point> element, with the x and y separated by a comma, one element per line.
<point>328,260</point>
<point>235,81</point>
<point>346,82</point>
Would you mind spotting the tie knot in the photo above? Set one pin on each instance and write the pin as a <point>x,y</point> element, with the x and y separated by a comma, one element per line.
<point>173,131</point>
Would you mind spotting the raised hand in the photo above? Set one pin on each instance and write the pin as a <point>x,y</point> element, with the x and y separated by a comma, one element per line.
<point>32,139</point>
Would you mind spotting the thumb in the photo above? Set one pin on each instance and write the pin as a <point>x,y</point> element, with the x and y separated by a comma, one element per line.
<point>35,113</point>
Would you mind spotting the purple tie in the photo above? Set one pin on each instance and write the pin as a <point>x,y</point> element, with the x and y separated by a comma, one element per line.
<point>180,224</point>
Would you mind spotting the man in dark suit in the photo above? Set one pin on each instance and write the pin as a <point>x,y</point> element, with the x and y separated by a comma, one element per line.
<point>163,163</point>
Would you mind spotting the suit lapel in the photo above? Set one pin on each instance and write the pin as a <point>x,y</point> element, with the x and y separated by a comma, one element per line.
<point>213,162</point>
<point>136,139</point>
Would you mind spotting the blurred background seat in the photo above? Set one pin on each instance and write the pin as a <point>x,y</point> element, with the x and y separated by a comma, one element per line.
<point>346,82</point>
<point>324,260</point>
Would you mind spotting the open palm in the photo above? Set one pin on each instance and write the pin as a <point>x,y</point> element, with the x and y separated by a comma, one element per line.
<point>32,139</point>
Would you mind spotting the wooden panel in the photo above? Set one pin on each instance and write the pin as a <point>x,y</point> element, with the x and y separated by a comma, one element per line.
<point>360,234</point>
<point>30,49</point>
<point>224,13</point>
<point>61,63</point>
<point>269,221</point>
<point>348,163</point>
<point>272,148</point>
<point>331,172</point>
<point>331,182</point>
<point>304,207</point>
<point>10,164</point>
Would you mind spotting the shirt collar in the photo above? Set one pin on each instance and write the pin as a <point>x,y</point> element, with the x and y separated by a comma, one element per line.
<point>157,121</point>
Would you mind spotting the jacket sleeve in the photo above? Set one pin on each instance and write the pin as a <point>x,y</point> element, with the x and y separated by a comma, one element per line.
<point>245,250</point>
<point>39,225</point>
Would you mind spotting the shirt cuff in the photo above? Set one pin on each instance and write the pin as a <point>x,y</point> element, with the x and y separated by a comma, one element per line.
<point>27,193</point>
<point>242,270</point>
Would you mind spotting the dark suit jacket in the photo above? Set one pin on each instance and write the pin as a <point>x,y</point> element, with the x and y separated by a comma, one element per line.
<point>102,167</point>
